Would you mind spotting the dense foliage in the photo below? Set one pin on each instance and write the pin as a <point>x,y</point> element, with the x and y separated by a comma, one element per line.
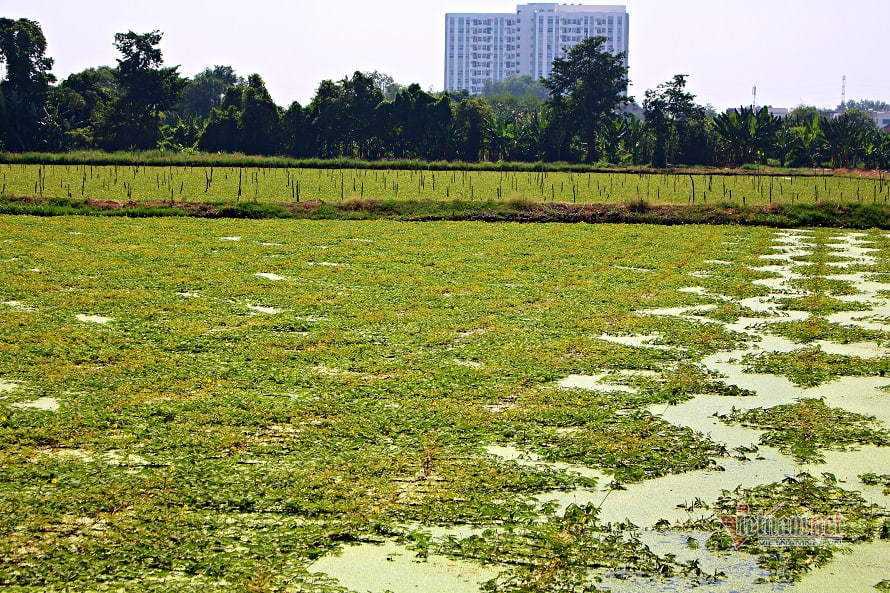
<point>581,114</point>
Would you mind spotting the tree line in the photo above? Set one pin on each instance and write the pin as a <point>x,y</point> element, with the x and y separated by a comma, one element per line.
<point>582,113</point>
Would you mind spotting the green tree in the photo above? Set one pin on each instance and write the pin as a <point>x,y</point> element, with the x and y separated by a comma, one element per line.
<point>587,87</point>
<point>517,124</point>
<point>247,120</point>
<point>419,124</point>
<point>296,132</point>
<point>327,116</point>
<point>804,114</point>
<point>696,142</point>
<point>884,162</point>
<point>25,88</point>
<point>98,89</point>
<point>866,105</point>
<point>362,96</point>
<point>438,134</point>
<point>205,91</point>
<point>559,132</point>
<point>386,83</point>
<point>676,123</point>
<point>62,105</point>
<point>471,124</point>
<point>79,103</point>
<point>259,122</point>
<point>529,136</point>
<point>221,131</point>
<point>519,87</point>
<point>346,118</point>
<point>146,91</point>
<point>610,139</point>
<point>875,147</point>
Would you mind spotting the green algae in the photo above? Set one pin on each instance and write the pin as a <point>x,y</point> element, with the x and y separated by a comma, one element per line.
<point>805,428</point>
<point>812,366</point>
<point>801,496</point>
<point>816,329</point>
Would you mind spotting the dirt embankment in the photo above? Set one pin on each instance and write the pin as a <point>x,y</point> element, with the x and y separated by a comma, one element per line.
<point>799,215</point>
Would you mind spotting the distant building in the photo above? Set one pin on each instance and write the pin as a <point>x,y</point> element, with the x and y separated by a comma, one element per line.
<point>482,47</point>
<point>882,118</point>
<point>887,129</point>
<point>774,111</point>
<point>634,110</point>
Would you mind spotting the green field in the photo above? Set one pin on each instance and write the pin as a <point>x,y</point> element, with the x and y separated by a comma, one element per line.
<point>224,184</point>
<point>219,405</point>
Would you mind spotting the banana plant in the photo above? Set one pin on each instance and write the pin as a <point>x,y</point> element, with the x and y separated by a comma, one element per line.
<point>805,143</point>
<point>748,133</point>
<point>635,141</point>
<point>873,150</point>
<point>611,135</point>
<point>844,138</point>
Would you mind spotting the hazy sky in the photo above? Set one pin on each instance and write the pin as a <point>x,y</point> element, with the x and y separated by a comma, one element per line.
<point>795,51</point>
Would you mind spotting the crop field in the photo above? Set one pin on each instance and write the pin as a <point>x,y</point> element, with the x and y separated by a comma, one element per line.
<point>329,406</point>
<point>221,185</point>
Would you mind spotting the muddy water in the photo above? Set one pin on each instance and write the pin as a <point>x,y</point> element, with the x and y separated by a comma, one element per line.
<point>266,310</point>
<point>738,569</point>
<point>47,404</point>
<point>593,383</point>
<point>8,386</point>
<point>676,497</point>
<point>94,319</point>
<point>18,306</point>
<point>860,570</point>
<point>396,569</point>
<point>639,341</point>
<point>269,276</point>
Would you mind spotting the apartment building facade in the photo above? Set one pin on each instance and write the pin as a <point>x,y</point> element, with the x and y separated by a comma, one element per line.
<point>482,47</point>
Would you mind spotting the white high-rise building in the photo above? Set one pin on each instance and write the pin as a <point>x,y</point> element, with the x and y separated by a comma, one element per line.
<point>492,46</point>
